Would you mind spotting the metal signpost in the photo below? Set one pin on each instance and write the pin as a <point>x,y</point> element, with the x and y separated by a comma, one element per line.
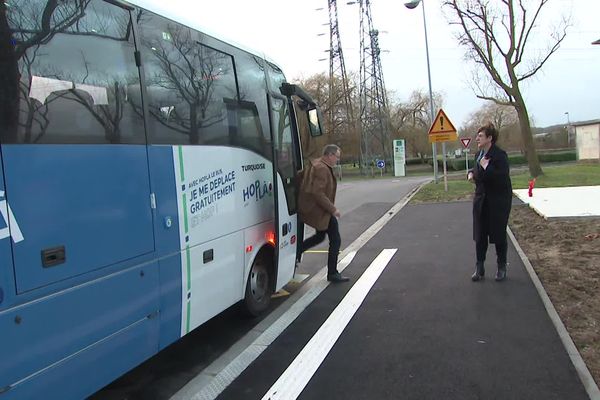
<point>466,141</point>
<point>381,166</point>
<point>442,130</point>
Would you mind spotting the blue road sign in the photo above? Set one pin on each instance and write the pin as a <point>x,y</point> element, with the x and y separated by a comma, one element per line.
<point>381,164</point>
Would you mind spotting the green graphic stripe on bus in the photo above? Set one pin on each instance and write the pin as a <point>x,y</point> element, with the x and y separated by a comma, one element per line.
<point>181,163</point>
<point>189,269</point>
<point>187,248</point>
<point>189,286</point>
<point>187,325</point>
<point>185,218</point>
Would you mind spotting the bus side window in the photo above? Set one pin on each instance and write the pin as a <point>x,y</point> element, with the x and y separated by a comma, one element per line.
<point>253,109</point>
<point>245,129</point>
<point>283,136</point>
<point>186,82</point>
<point>86,99</point>
<point>283,128</point>
<point>276,77</point>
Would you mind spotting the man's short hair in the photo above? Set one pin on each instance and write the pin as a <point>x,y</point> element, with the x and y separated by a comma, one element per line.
<point>330,149</point>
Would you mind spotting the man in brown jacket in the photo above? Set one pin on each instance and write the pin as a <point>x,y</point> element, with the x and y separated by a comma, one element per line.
<point>316,206</point>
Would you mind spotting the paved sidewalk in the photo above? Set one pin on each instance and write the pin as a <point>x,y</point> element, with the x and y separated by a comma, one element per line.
<point>425,331</point>
<point>576,201</point>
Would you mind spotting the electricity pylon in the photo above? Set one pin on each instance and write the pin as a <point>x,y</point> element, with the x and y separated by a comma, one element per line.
<point>340,115</point>
<point>374,112</point>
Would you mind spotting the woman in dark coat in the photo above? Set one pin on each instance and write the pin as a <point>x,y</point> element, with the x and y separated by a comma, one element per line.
<point>492,200</point>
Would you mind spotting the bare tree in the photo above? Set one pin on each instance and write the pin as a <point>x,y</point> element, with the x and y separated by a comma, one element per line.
<point>500,115</point>
<point>497,35</point>
<point>318,86</point>
<point>35,111</point>
<point>410,121</point>
<point>191,72</point>
<point>110,114</point>
<point>504,118</point>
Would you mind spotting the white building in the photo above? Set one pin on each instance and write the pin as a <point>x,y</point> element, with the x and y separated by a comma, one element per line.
<point>587,134</point>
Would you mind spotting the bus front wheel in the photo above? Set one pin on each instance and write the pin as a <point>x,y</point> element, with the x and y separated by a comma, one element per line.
<point>258,287</point>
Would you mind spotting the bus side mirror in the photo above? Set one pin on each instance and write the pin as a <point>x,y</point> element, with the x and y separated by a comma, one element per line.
<point>314,122</point>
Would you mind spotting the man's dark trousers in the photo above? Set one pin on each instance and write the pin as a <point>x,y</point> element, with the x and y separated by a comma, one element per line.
<point>335,241</point>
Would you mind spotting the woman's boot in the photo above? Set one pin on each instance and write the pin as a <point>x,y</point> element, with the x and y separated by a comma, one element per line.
<point>501,274</point>
<point>479,272</point>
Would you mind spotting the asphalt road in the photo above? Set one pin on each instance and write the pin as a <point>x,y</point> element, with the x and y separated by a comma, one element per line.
<point>423,330</point>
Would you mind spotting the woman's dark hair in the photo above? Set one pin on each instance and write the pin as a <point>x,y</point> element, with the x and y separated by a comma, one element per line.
<point>490,130</point>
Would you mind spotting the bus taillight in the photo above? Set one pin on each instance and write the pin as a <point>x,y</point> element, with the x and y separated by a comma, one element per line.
<point>270,236</point>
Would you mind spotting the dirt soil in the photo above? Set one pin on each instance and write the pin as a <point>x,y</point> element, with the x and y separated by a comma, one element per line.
<point>565,254</point>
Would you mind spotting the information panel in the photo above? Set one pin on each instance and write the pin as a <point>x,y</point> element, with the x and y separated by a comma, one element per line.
<point>399,158</point>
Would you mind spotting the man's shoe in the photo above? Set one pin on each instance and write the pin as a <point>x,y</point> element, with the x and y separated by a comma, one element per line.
<point>337,277</point>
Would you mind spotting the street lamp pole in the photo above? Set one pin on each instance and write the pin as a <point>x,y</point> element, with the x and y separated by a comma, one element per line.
<point>568,129</point>
<point>411,5</point>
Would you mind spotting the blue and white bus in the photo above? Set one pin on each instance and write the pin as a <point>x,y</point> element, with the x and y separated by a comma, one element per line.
<point>147,183</point>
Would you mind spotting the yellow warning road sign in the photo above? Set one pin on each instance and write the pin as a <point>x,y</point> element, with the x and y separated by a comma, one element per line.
<point>442,129</point>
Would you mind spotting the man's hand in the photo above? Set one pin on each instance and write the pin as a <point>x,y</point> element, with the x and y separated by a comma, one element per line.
<point>470,176</point>
<point>336,213</point>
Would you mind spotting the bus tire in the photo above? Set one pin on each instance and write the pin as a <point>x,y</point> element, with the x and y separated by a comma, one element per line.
<point>258,287</point>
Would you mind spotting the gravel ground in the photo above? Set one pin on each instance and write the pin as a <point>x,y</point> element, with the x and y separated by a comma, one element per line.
<point>565,254</point>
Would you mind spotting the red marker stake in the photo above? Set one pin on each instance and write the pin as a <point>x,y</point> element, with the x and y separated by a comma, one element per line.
<point>531,185</point>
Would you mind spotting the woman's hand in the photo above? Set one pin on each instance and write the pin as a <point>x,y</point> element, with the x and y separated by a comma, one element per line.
<point>470,176</point>
<point>484,162</point>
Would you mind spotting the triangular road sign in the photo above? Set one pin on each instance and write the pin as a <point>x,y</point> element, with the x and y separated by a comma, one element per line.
<point>466,141</point>
<point>442,124</point>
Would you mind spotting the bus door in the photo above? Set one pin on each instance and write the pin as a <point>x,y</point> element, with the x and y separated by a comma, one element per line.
<point>285,165</point>
<point>306,125</point>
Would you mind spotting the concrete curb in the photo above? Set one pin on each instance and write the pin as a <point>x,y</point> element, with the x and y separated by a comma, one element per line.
<point>582,370</point>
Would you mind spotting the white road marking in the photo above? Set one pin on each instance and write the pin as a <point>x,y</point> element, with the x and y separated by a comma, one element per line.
<point>299,278</point>
<point>213,383</point>
<point>295,378</point>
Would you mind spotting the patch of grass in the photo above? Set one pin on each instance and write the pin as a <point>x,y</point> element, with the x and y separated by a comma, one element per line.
<point>561,176</point>
<point>554,176</point>
<point>458,189</point>
<point>351,172</point>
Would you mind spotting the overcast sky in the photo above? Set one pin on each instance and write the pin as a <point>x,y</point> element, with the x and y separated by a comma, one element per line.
<point>288,32</point>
